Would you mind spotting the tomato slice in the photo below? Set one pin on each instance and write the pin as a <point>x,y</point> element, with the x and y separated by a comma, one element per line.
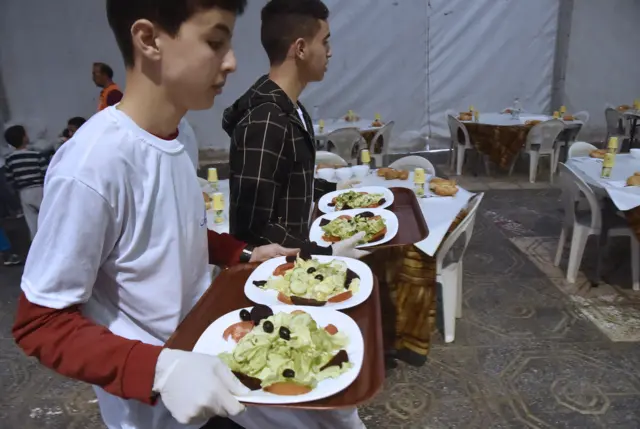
<point>341,297</point>
<point>331,329</point>
<point>237,331</point>
<point>284,298</point>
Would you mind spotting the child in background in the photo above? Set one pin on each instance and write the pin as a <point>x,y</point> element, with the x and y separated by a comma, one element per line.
<point>8,258</point>
<point>73,125</point>
<point>25,170</point>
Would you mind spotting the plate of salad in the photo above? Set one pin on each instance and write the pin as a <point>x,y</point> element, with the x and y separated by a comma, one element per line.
<point>318,281</point>
<point>287,354</point>
<point>370,197</point>
<point>379,225</point>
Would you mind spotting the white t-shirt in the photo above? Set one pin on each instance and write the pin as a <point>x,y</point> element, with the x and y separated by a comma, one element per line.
<point>122,231</point>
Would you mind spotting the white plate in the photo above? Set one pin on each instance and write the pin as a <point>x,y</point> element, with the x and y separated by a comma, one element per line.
<point>324,207</point>
<point>316,233</point>
<point>270,297</point>
<point>212,343</point>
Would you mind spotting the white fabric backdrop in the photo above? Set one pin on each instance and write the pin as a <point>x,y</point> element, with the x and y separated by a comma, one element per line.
<point>480,52</point>
<point>604,59</point>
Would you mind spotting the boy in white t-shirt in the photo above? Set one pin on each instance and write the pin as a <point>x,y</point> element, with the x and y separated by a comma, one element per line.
<point>121,253</point>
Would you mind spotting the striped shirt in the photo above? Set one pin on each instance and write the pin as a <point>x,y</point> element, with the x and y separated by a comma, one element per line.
<point>26,168</point>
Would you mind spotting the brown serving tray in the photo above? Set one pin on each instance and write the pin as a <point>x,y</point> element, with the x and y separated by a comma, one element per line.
<point>226,294</point>
<point>412,227</point>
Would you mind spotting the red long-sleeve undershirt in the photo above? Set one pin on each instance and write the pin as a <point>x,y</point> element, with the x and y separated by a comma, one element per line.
<point>72,345</point>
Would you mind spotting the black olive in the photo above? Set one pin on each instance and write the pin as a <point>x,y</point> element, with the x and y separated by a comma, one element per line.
<point>311,270</point>
<point>366,214</point>
<point>267,327</point>
<point>245,316</point>
<point>349,278</point>
<point>304,254</point>
<point>285,333</point>
<point>259,283</point>
<point>324,222</point>
<point>288,373</point>
<point>319,277</point>
<point>346,207</point>
<point>260,312</point>
<point>382,201</point>
<point>291,259</point>
<point>331,204</point>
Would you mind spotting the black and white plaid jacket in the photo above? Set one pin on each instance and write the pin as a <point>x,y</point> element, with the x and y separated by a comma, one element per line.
<point>272,160</point>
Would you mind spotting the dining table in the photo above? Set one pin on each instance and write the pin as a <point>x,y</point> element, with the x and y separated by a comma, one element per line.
<point>402,271</point>
<point>330,125</point>
<point>625,198</point>
<point>502,136</point>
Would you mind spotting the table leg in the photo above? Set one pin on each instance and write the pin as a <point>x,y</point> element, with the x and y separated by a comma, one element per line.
<point>632,132</point>
<point>600,245</point>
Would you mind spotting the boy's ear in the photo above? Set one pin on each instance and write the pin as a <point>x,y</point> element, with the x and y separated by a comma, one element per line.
<point>144,39</point>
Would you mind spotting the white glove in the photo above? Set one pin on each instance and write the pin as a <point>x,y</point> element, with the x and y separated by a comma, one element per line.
<point>347,184</point>
<point>195,387</point>
<point>347,248</point>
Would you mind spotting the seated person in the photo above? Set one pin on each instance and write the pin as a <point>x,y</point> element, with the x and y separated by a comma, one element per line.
<point>73,125</point>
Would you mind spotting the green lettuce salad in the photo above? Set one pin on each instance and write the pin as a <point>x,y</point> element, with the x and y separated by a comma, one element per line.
<point>345,227</point>
<point>357,200</point>
<point>314,280</point>
<point>288,348</point>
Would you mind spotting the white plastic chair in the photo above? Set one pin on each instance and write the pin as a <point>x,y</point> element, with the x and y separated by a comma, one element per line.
<point>324,157</point>
<point>582,116</point>
<point>384,136</point>
<point>412,162</point>
<point>449,268</point>
<point>586,223</point>
<point>580,149</point>
<point>460,141</point>
<point>541,141</point>
<point>346,142</point>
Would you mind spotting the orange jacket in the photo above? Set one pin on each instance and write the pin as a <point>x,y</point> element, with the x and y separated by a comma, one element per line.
<point>104,95</point>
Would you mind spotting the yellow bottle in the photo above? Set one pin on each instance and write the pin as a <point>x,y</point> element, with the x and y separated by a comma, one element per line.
<point>636,104</point>
<point>556,115</point>
<point>609,158</point>
<point>365,157</point>
<point>419,180</point>
<point>218,208</point>
<point>563,110</point>
<point>212,178</point>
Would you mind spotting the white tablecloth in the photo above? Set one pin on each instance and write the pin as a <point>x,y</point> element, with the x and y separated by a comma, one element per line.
<point>506,119</point>
<point>439,212</point>
<point>624,197</point>
<point>335,124</point>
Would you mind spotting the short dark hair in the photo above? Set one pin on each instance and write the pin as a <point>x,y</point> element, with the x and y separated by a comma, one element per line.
<point>77,121</point>
<point>15,135</point>
<point>105,69</point>
<point>168,14</point>
<point>285,21</point>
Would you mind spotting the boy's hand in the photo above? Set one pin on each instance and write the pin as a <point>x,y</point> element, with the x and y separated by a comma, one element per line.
<point>195,387</point>
<point>347,248</point>
<point>264,253</point>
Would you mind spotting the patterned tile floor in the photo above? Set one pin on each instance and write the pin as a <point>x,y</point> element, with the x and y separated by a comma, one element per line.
<point>525,356</point>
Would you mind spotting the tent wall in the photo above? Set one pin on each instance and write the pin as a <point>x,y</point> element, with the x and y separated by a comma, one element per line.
<point>408,60</point>
<point>603,65</point>
<point>485,53</point>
